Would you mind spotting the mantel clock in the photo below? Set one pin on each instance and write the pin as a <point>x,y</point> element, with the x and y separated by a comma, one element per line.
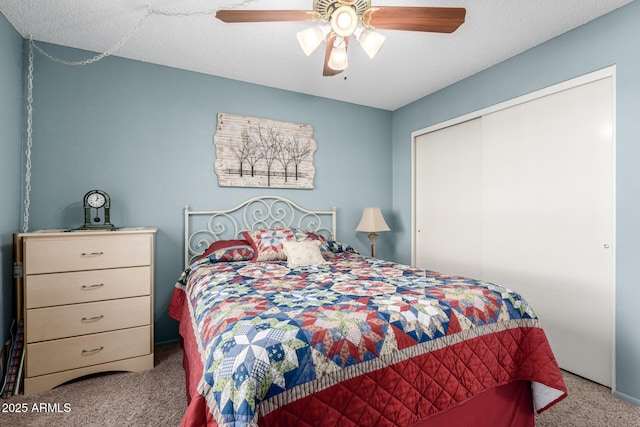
<point>98,203</point>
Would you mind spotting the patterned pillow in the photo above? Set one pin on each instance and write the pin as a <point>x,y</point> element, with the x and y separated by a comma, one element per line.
<point>303,253</point>
<point>267,244</point>
<point>228,251</point>
<point>337,247</point>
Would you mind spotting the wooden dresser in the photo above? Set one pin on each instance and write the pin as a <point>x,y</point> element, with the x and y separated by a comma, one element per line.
<point>87,301</point>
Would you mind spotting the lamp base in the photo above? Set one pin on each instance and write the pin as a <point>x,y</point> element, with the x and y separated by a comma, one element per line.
<point>373,236</point>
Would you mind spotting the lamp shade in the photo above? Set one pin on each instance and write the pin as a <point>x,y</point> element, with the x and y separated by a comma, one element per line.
<point>311,38</point>
<point>338,57</point>
<point>372,221</point>
<point>371,42</point>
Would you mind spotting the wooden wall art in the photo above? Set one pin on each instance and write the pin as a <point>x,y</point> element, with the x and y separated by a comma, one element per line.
<point>252,152</point>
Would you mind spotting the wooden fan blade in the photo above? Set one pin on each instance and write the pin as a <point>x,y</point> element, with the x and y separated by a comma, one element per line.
<point>429,19</point>
<point>234,16</point>
<point>328,71</point>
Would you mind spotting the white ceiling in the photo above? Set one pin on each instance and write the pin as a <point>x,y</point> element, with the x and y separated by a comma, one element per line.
<point>409,66</point>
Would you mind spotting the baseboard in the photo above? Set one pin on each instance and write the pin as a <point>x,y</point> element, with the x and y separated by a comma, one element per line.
<point>626,398</point>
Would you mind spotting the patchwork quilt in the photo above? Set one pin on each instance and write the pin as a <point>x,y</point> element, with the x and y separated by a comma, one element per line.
<point>276,340</point>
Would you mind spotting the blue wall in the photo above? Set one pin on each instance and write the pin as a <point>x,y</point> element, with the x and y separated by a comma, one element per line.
<point>612,39</point>
<point>10,160</point>
<point>144,134</point>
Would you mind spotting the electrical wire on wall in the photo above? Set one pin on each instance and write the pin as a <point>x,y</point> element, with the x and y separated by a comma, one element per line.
<point>29,107</point>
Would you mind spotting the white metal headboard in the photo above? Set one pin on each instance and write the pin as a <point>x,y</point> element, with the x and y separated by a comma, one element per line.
<point>201,228</point>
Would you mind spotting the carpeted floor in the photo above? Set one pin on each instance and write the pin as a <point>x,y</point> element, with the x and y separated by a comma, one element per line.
<point>157,398</point>
<point>150,398</point>
<point>589,405</point>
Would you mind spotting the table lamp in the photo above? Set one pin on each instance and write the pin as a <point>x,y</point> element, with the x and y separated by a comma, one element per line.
<point>372,222</point>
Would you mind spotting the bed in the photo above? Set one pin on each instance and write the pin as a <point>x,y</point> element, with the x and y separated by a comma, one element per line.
<point>282,324</point>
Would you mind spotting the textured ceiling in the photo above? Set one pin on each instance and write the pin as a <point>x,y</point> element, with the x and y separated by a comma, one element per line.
<point>409,66</point>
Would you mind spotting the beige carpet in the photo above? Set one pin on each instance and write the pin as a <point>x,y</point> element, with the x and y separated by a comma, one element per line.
<point>157,398</point>
<point>151,398</point>
<point>589,405</point>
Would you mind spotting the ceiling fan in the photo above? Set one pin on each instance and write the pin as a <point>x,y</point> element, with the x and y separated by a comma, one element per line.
<point>341,19</point>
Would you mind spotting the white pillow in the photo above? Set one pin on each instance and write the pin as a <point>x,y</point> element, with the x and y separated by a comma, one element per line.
<point>303,253</point>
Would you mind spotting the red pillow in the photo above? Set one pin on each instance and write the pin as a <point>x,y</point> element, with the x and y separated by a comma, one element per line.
<point>222,244</point>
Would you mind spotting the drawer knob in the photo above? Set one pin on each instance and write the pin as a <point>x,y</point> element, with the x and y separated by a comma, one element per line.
<point>91,287</point>
<point>91,319</point>
<point>90,352</point>
<point>91,254</point>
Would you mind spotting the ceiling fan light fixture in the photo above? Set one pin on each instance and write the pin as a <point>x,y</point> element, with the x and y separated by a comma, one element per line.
<point>311,38</point>
<point>370,41</point>
<point>344,21</point>
<point>338,57</point>
<point>341,19</point>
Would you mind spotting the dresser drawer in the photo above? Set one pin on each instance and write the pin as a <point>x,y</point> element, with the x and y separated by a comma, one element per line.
<point>83,251</point>
<point>44,290</point>
<point>80,319</point>
<point>69,353</point>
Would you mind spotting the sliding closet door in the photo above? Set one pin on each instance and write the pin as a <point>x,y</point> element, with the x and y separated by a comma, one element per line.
<point>524,197</point>
<point>548,218</point>
<point>448,198</point>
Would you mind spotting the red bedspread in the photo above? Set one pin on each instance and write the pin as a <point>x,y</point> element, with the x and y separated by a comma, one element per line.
<point>419,380</point>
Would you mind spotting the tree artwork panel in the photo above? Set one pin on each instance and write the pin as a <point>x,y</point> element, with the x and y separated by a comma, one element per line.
<point>253,152</point>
